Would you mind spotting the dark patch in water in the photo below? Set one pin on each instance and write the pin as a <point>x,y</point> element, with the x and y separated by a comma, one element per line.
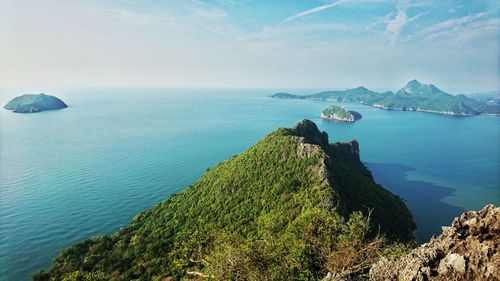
<point>423,198</point>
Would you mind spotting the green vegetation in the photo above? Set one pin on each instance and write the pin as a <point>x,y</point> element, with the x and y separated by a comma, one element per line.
<point>415,96</point>
<point>292,207</point>
<point>340,114</point>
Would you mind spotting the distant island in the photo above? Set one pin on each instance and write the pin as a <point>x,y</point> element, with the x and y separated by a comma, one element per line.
<point>338,113</point>
<point>31,103</point>
<point>414,96</point>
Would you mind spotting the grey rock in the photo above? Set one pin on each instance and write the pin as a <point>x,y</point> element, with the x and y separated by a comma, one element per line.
<point>468,250</point>
<point>453,262</point>
<point>310,132</point>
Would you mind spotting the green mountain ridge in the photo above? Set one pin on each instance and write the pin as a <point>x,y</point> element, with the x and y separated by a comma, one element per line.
<point>292,205</point>
<point>414,96</point>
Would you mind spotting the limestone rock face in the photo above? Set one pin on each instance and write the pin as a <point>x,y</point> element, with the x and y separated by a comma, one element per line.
<point>468,250</point>
<point>34,103</point>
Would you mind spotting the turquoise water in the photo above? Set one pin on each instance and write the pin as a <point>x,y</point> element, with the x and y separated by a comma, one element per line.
<point>71,174</point>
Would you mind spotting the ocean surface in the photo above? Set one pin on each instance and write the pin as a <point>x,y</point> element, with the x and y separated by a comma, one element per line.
<point>71,174</point>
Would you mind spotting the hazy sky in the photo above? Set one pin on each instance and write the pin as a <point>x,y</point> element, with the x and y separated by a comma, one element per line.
<point>229,43</point>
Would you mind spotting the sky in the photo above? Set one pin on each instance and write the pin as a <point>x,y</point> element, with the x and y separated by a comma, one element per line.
<point>380,44</point>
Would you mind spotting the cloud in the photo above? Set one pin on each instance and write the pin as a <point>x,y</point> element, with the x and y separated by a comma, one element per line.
<point>379,21</point>
<point>118,16</point>
<point>210,13</point>
<point>461,30</point>
<point>398,23</point>
<point>293,30</point>
<point>191,43</point>
<point>452,23</point>
<point>313,10</point>
<point>210,23</point>
<point>286,27</point>
<point>227,2</point>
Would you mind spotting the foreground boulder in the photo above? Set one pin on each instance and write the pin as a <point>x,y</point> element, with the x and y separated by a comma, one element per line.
<point>30,103</point>
<point>468,250</point>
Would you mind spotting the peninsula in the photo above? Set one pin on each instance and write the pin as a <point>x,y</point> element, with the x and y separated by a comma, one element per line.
<point>31,103</point>
<point>414,96</point>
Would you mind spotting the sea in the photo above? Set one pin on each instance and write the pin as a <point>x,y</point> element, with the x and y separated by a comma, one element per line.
<point>68,175</point>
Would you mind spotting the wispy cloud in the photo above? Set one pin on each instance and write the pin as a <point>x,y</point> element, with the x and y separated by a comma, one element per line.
<point>304,48</point>
<point>398,23</point>
<point>201,10</point>
<point>303,29</point>
<point>313,10</point>
<point>452,23</point>
<point>462,30</point>
<point>119,16</point>
<point>210,13</point>
<point>288,29</point>
<point>379,21</point>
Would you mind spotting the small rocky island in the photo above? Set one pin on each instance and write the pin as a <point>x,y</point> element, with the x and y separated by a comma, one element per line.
<point>338,113</point>
<point>31,103</point>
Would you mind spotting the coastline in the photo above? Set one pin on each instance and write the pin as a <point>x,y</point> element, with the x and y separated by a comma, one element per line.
<point>380,106</point>
<point>335,118</point>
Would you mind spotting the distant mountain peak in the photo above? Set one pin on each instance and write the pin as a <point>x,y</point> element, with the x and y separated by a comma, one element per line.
<point>418,88</point>
<point>413,86</point>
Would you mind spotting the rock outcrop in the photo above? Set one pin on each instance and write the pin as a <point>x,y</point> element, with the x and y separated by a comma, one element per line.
<point>34,103</point>
<point>309,131</point>
<point>468,250</point>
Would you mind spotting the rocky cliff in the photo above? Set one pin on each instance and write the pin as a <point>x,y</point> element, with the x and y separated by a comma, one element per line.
<point>467,250</point>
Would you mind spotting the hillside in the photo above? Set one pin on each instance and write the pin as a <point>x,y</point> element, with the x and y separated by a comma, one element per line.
<point>414,96</point>
<point>292,205</point>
